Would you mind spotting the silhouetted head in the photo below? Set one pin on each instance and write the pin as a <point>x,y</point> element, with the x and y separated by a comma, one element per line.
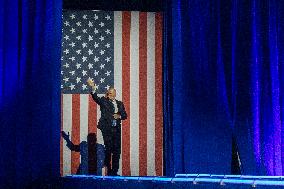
<point>92,138</point>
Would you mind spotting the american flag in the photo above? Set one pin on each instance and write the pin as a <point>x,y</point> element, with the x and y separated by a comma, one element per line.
<point>119,49</point>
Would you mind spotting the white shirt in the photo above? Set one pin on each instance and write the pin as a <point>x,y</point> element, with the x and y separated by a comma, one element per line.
<point>115,106</point>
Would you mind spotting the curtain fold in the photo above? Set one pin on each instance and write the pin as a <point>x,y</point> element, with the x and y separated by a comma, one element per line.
<point>197,135</point>
<point>223,81</point>
<point>30,46</point>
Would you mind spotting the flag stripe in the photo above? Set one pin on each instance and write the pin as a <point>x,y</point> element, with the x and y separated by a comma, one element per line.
<point>134,94</point>
<point>67,127</point>
<point>84,104</point>
<point>92,116</point>
<point>126,91</point>
<point>118,64</point>
<point>75,136</point>
<point>151,94</point>
<point>61,139</point>
<point>99,133</point>
<point>142,93</point>
<point>159,97</point>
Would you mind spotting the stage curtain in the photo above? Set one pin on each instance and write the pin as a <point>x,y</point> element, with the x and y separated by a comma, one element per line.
<point>30,46</point>
<point>224,82</point>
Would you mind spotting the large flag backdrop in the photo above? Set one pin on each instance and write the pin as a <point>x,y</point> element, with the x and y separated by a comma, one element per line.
<point>124,50</point>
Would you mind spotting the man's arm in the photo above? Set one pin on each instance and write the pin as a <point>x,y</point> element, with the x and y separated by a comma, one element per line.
<point>122,113</point>
<point>70,144</point>
<point>95,96</point>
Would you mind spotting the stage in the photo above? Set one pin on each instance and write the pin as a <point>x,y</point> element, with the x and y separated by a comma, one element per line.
<point>195,181</point>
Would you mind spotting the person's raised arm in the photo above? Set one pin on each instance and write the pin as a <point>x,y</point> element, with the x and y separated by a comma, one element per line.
<point>70,144</point>
<point>95,96</point>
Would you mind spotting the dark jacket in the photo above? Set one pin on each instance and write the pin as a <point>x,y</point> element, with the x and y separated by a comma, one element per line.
<point>107,111</point>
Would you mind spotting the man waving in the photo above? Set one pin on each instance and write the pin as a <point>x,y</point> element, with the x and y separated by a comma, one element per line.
<point>112,112</point>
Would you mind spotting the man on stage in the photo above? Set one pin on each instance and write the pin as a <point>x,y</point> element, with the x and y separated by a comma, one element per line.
<point>112,112</point>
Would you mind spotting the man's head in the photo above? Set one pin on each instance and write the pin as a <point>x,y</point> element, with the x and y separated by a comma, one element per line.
<point>111,93</point>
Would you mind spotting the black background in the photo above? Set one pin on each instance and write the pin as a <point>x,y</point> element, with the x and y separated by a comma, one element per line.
<point>118,5</point>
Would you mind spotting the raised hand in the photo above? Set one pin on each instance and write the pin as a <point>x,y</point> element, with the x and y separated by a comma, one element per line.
<point>65,136</point>
<point>91,83</point>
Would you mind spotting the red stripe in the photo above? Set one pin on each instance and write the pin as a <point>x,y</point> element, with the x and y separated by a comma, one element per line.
<point>75,136</point>
<point>126,20</point>
<point>61,139</point>
<point>92,116</point>
<point>143,93</point>
<point>158,96</point>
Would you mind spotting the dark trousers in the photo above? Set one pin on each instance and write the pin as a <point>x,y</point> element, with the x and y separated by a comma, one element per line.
<point>112,141</point>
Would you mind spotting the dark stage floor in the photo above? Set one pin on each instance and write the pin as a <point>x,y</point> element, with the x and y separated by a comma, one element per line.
<point>195,181</point>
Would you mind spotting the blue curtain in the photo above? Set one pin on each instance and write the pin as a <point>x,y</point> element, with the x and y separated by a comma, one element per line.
<point>30,43</point>
<point>224,81</point>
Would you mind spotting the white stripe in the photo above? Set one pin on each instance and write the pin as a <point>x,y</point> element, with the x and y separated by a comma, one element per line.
<point>100,139</point>
<point>134,94</point>
<point>67,127</point>
<point>99,133</point>
<point>84,107</point>
<point>151,94</point>
<point>118,64</point>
